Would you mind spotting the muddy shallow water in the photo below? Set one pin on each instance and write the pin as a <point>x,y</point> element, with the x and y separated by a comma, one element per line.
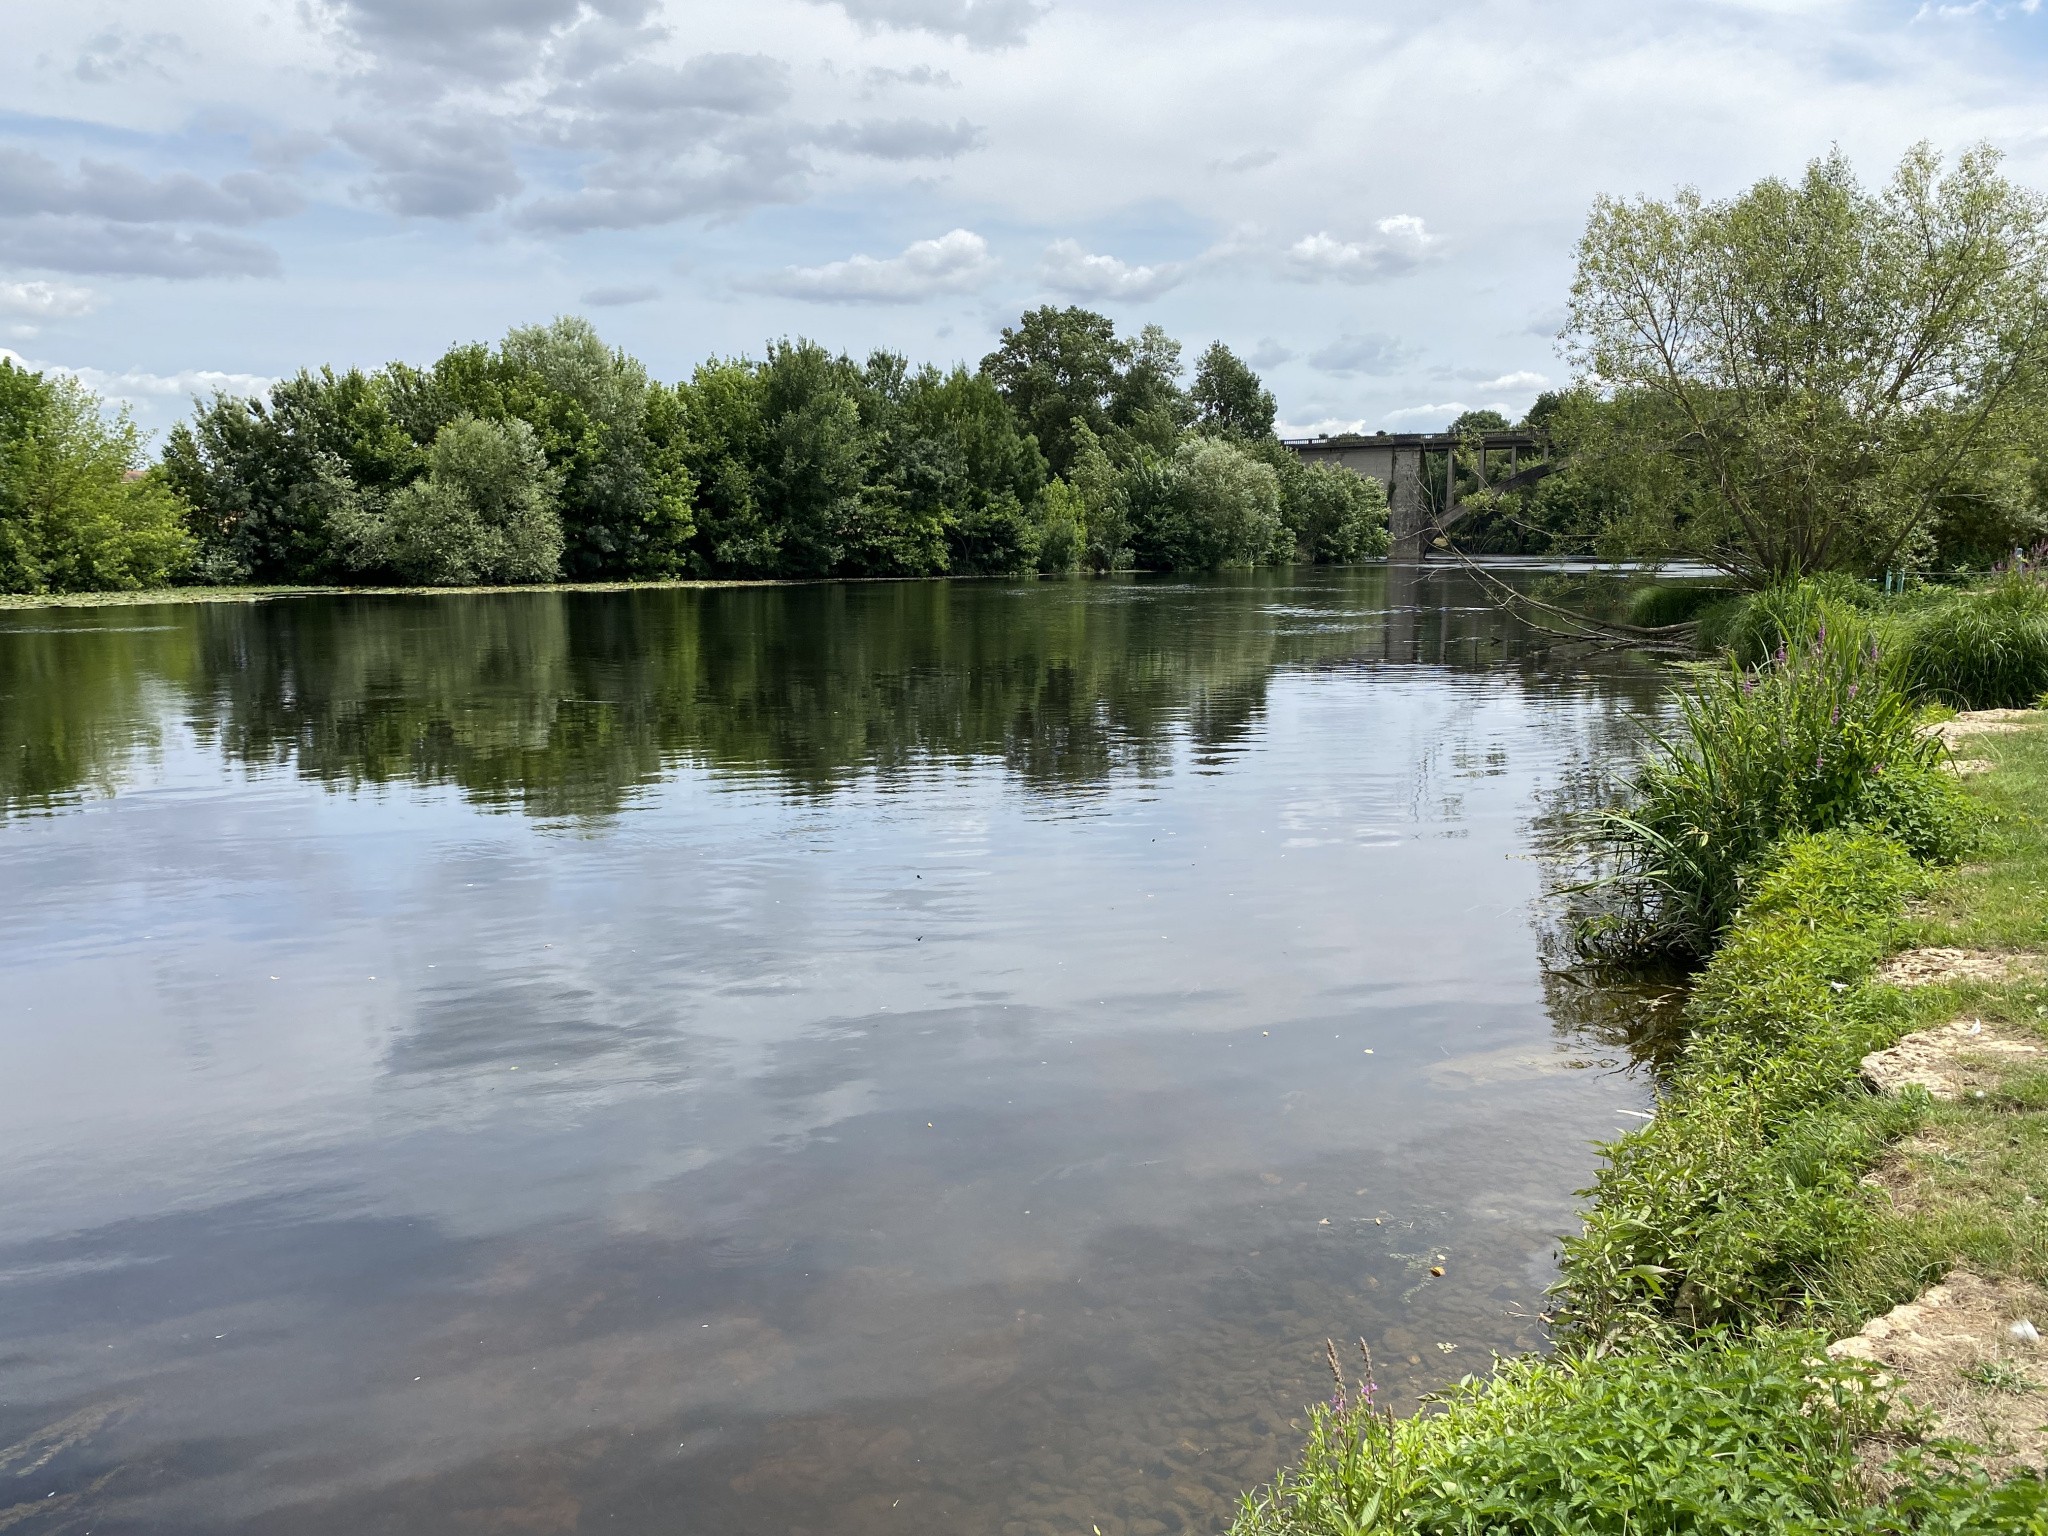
<point>883,1058</point>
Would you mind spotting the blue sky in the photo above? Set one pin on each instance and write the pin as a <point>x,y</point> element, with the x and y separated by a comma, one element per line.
<point>1376,202</point>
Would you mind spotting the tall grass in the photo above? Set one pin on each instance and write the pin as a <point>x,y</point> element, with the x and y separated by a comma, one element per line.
<point>1815,738</point>
<point>1978,650</point>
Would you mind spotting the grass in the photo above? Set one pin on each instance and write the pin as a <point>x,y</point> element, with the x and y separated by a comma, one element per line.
<point>1814,738</point>
<point>1733,1233</point>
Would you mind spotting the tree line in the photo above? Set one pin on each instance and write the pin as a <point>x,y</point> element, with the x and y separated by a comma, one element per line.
<point>553,456</point>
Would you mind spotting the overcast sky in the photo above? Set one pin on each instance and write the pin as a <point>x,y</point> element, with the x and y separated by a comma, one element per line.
<point>1374,201</point>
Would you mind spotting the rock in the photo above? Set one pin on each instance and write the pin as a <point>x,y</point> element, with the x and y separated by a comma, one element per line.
<point>1951,1062</point>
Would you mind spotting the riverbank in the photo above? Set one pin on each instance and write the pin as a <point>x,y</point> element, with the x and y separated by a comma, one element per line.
<point>1779,1201</point>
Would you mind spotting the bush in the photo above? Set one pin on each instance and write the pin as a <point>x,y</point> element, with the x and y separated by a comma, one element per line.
<point>1752,1437</point>
<point>1816,738</point>
<point>1723,1208</point>
<point>71,517</point>
<point>1660,605</point>
<point>1755,627</point>
<point>1062,527</point>
<point>1210,505</point>
<point>484,513</point>
<point>1335,517</point>
<point>1978,650</point>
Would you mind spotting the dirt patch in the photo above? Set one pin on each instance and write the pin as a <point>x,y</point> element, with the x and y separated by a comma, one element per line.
<point>1984,722</point>
<point>1931,967</point>
<point>1969,1354</point>
<point>1967,767</point>
<point>1962,1059</point>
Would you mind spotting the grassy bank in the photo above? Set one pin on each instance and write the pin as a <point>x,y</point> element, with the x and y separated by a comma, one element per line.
<point>1775,1202</point>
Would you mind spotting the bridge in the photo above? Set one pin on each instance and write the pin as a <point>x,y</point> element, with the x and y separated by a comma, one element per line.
<point>1396,460</point>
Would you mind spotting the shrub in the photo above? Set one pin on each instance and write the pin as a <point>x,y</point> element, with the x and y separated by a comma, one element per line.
<point>1210,505</point>
<point>1062,516</point>
<point>1978,650</point>
<point>484,512</point>
<point>71,518</point>
<point>1750,1437</point>
<point>1662,604</point>
<point>1334,517</point>
<point>1816,738</point>
<point>1754,627</point>
<point>1724,1207</point>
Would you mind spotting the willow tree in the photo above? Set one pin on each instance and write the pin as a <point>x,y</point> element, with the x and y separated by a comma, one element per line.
<point>1822,364</point>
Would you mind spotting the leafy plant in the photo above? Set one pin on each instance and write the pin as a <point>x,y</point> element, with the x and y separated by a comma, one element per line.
<point>1979,650</point>
<point>1816,738</point>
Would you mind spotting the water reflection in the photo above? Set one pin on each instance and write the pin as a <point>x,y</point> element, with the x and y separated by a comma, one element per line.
<point>929,1057</point>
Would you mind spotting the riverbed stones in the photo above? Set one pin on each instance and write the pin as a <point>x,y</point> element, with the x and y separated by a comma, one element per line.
<point>1955,1353</point>
<point>1961,1058</point>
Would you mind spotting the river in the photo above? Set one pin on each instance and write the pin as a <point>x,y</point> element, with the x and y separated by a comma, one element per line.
<point>895,1057</point>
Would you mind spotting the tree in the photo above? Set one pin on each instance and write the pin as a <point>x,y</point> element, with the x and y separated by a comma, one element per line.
<point>1821,363</point>
<point>485,512</point>
<point>1210,505</point>
<point>1334,517</point>
<point>267,480</point>
<point>1229,398</point>
<point>76,513</point>
<point>1056,367</point>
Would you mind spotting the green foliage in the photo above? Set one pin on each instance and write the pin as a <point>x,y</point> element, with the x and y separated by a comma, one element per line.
<point>1661,604</point>
<point>71,517</point>
<point>1742,1437</point>
<point>485,512</point>
<point>1210,505</point>
<point>1977,650</point>
<point>1062,519</point>
<point>1725,1207</point>
<point>1064,370</point>
<point>1817,738</point>
<point>1333,516</point>
<point>1804,376</point>
<point>1228,397</point>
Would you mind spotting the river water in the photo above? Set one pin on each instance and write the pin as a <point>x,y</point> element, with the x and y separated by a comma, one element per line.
<point>857,1059</point>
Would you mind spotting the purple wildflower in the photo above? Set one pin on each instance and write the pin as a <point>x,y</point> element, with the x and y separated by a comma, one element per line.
<point>1852,694</point>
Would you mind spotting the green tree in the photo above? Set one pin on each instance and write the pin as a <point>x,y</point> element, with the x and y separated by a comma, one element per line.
<point>76,512</point>
<point>1057,367</point>
<point>1147,407</point>
<point>485,512</point>
<point>1334,517</point>
<point>267,480</point>
<point>1824,362</point>
<point>1228,398</point>
<point>1210,505</point>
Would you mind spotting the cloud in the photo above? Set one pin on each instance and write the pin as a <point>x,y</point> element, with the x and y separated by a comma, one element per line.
<point>904,138</point>
<point>1371,353</point>
<point>1401,244</point>
<point>977,23</point>
<point>878,78</point>
<point>1433,418</point>
<point>710,181</point>
<point>957,262</point>
<point>33,184</point>
<point>47,301</point>
<point>1518,382</point>
<point>109,56</point>
<point>720,84</point>
<point>420,47</point>
<point>1071,270</point>
<point>1269,354</point>
<point>614,298</point>
<point>99,247</point>
<point>137,385</point>
<point>1250,160</point>
<point>445,170</point>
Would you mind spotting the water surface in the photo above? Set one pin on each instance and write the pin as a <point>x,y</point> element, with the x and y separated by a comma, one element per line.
<point>872,1058</point>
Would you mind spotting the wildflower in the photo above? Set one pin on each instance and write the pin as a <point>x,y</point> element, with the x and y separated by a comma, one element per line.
<point>1749,685</point>
<point>1852,694</point>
